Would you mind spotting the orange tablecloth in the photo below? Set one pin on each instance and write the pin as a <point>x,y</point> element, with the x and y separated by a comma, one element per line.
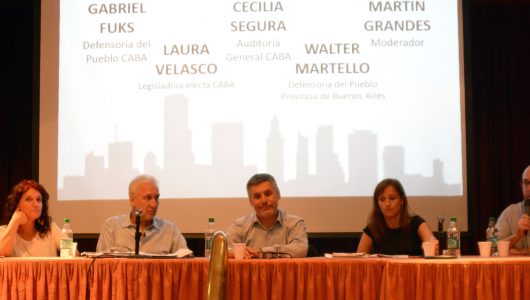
<point>38,278</point>
<point>247,279</point>
<point>464,278</point>
<point>130,278</point>
<point>305,279</point>
<point>311,278</point>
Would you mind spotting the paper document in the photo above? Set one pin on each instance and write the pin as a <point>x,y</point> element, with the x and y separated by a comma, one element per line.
<point>180,253</point>
<point>345,255</point>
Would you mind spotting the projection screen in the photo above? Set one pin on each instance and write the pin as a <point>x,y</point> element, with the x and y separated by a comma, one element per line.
<point>330,97</point>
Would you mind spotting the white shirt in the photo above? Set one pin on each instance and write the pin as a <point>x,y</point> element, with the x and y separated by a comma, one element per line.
<point>38,246</point>
<point>507,225</point>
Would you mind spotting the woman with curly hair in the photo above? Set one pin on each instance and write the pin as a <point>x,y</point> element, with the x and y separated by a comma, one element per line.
<point>30,231</point>
<point>392,228</point>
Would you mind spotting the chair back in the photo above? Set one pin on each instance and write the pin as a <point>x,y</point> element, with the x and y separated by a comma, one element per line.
<point>218,268</point>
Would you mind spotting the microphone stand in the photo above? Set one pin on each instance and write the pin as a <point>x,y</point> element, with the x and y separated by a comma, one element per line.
<point>137,235</point>
<point>441,244</point>
<point>526,211</point>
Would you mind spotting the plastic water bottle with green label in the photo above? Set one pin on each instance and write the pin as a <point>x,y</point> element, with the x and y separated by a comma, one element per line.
<point>453,239</point>
<point>67,239</point>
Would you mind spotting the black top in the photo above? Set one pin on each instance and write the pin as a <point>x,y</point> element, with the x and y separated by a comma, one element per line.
<point>396,241</point>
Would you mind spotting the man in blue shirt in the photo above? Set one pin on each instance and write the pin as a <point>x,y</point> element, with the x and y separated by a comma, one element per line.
<point>158,236</point>
<point>268,229</point>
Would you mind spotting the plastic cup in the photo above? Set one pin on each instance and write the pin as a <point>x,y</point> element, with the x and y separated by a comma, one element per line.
<point>74,249</point>
<point>504,248</point>
<point>239,250</point>
<point>484,249</point>
<point>429,248</point>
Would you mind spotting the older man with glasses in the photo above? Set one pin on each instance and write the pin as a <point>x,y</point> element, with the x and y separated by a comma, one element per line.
<point>514,223</point>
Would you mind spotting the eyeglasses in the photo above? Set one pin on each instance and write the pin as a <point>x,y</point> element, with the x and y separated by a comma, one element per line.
<point>271,254</point>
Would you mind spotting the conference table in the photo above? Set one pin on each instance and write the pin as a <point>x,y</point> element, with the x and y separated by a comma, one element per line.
<point>307,278</point>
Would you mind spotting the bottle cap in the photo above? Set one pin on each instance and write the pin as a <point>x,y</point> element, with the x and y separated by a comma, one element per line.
<point>453,219</point>
<point>66,220</point>
<point>210,220</point>
<point>492,219</point>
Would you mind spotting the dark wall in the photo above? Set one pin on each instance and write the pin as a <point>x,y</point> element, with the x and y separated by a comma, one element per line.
<point>18,93</point>
<point>497,38</point>
<point>498,107</point>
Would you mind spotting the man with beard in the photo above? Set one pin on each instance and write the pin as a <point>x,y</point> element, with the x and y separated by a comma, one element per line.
<point>514,223</point>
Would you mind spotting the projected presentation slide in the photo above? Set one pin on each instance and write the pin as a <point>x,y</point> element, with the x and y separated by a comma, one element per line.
<point>328,96</point>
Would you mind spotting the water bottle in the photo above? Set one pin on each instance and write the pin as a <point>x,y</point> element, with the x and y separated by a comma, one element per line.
<point>67,239</point>
<point>491,236</point>
<point>453,239</point>
<point>208,236</point>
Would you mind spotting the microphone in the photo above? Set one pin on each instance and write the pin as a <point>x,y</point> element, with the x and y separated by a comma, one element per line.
<point>526,211</point>
<point>137,213</point>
